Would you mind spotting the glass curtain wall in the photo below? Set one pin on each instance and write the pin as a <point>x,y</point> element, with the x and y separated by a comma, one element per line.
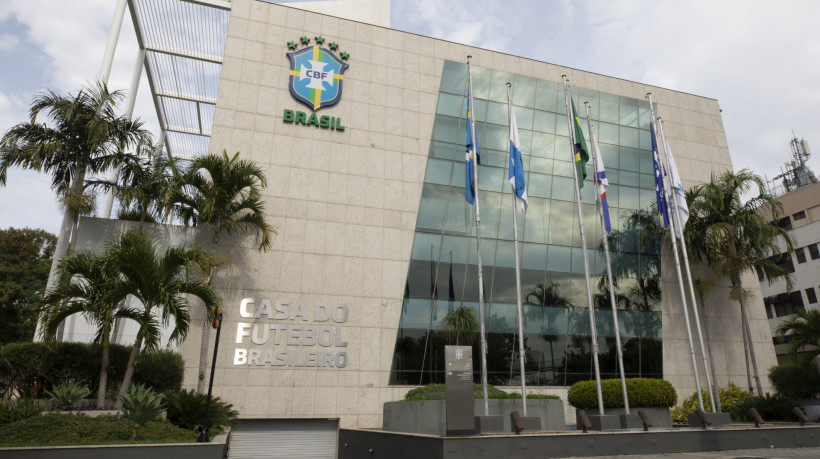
<point>442,275</point>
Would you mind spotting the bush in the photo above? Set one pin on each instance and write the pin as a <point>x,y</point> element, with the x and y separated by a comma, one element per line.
<point>55,429</point>
<point>161,370</point>
<point>438,392</point>
<point>643,392</point>
<point>770,407</point>
<point>31,369</point>
<point>187,409</point>
<point>798,379</point>
<point>141,405</point>
<point>728,396</point>
<point>19,410</point>
<point>66,395</point>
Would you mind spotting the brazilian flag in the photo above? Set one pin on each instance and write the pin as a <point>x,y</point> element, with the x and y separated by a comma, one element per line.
<point>581,152</point>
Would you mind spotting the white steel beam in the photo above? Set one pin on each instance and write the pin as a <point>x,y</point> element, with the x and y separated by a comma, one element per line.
<point>188,97</point>
<point>218,4</point>
<point>183,53</point>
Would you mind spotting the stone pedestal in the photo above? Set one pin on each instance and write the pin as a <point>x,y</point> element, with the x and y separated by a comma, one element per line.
<point>717,419</point>
<point>489,424</point>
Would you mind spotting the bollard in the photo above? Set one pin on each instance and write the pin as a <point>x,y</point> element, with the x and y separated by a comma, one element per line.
<point>800,415</point>
<point>647,422</point>
<point>581,415</point>
<point>756,417</point>
<point>517,422</point>
<point>704,419</point>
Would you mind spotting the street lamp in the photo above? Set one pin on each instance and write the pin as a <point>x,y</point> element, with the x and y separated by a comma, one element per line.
<point>203,430</point>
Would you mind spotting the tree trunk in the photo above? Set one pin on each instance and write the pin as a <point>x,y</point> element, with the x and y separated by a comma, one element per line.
<point>718,407</point>
<point>749,333</point>
<point>129,370</point>
<point>203,344</point>
<point>63,241</point>
<point>103,369</point>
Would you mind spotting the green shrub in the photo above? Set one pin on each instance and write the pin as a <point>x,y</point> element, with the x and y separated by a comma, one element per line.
<point>770,407</point>
<point>799,380</point>
<point>728,396</point>
<point>19,409</point>
<point>187,409</point>
<point>141,405</point>
<point>57,429</point>
<point>438,392</point>
<point>643,392</point>
<point>161,370</point>
<point>31,369</point>
<point>66,395</point>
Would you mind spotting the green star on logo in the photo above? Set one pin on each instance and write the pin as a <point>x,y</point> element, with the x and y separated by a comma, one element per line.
<point>334,46</point>
<point>319,40</point>
<point>305,40</point>
<point>291,45</point>
<point>344,55</point>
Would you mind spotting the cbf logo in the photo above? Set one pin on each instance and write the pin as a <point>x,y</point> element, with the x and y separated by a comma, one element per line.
<point>316,74</point>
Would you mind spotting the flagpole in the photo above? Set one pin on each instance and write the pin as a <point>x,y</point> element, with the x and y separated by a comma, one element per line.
<point>478,248</point>
<point>682,239</point>
<point>521,355</point>
<point>605,242</point>
<point>677,268</point>
<point>592,328</point>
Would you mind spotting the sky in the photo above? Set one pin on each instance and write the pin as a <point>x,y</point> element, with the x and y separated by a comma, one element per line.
<point>758,58</point>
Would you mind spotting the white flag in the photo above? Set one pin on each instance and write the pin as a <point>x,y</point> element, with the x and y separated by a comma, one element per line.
<point>678,196</point>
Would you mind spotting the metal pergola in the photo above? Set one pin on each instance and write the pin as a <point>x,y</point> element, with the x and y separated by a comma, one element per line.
<point>181,47</point>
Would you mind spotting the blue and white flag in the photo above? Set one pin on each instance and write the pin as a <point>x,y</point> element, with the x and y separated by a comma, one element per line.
<point>679,205</point>
<point>659,190</point>
<point>516,175</point>
<point>471,155</point>
<point>601,182</point>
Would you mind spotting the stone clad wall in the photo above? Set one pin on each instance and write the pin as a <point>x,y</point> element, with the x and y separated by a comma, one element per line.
<point>345,205</point>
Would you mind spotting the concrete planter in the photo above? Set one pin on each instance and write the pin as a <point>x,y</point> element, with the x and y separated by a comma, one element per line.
<point>660,417</point>
<point>428,417</point>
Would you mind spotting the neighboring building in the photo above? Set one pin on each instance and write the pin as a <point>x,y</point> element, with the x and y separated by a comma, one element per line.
<point>801,216</point>
<point>375,239</point>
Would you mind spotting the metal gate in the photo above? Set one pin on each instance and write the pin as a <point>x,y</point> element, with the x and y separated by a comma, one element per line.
<point>284,438</point>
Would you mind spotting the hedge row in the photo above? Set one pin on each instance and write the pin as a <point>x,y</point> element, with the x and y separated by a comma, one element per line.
<point>438,392</point>
<point>32,368</point>
<point>643,392</point>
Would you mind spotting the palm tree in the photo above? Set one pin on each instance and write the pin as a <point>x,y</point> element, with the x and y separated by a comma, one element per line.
<point>91,285</point>
<point>81,134</point>
<point>225,193</point>
<point>460,325</point>
<point>804,330</point>
<point>145,184</point>
<point>160,281</point>
<point>733,236</point>
<point>549,298</point>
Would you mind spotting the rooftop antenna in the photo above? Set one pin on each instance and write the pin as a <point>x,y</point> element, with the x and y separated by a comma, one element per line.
<point>797,173</point>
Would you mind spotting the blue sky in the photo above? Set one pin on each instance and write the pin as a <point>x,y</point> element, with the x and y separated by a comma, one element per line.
<point>758,58</point>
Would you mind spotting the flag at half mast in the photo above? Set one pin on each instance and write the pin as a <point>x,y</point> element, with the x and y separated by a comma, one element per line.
<point>678,203</point>
<point>581,152</point>
<point>660,198</point>
<point>601,182</point>
<point>516,175</point>
<point>472,154</point>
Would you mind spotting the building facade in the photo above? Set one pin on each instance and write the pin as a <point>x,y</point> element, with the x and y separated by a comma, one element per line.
<point>801,217</point>
<point>376,243</point>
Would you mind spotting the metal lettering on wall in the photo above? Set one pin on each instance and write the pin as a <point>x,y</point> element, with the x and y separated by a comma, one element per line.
<point>322,336</point>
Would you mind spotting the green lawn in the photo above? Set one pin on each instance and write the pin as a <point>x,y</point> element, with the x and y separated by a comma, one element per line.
<point>60,429</point>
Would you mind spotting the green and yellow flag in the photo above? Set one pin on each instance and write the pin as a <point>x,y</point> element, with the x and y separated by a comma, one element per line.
<point>581,152</point>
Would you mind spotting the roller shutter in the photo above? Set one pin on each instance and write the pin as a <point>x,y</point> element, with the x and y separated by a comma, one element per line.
<point>284,438</point>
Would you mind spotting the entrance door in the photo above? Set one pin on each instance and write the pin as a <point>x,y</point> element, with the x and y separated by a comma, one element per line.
<point>284,438</point>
